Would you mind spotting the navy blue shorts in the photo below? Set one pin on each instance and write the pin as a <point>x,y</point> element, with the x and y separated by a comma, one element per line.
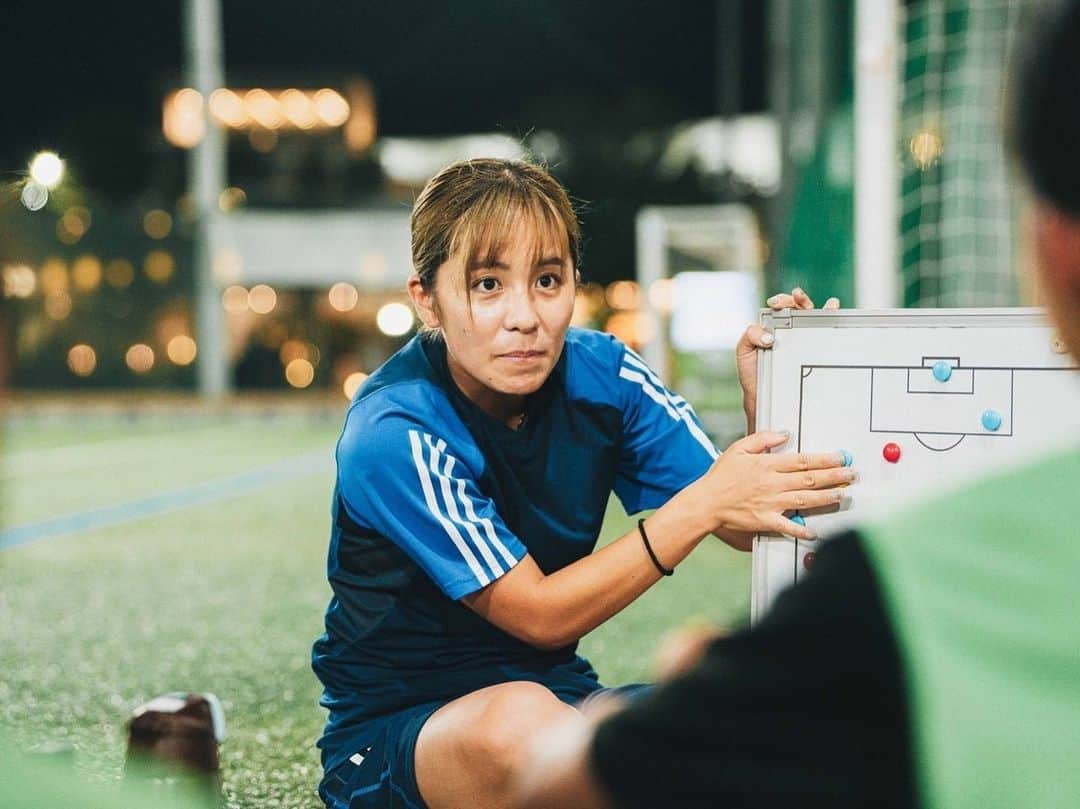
<point>383,774</point>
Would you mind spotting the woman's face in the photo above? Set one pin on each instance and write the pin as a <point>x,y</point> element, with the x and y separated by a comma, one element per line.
<point>504,337</point>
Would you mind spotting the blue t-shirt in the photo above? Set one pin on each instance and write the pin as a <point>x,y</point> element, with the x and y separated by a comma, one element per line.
<point>435,499</point>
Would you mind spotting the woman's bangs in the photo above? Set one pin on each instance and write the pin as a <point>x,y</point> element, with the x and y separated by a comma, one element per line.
<point>485,231</point>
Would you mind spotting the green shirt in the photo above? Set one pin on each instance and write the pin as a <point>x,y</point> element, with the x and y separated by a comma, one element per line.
<point>983,588</point>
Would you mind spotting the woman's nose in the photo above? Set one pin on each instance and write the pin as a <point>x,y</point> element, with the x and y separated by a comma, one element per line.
<point>521,312</point>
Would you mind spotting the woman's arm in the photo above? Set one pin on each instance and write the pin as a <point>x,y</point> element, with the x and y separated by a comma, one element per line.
<point>745,490</point>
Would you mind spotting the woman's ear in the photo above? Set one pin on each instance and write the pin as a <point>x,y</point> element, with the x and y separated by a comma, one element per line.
<point>423,301</point>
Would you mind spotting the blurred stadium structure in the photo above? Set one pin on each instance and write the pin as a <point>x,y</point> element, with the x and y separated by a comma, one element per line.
<point>283,263</point>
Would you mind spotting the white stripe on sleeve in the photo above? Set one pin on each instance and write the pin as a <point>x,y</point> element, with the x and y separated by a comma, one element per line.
<point>437,448</point>
<point>650,391</point>
<point>484,522</point>
<point>433,507</point>
<point>676,407</point>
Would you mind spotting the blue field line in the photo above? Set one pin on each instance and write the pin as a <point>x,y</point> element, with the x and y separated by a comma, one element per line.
<point>210,491</point>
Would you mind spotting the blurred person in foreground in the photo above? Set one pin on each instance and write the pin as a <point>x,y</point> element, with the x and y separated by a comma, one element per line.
<point>932,660</point>
<point>474,470</point>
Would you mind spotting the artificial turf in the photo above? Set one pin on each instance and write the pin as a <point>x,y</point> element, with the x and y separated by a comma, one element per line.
<point>223,596</point>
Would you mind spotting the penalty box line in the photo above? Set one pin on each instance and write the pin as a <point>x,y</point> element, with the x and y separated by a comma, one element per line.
<point>211,491</point>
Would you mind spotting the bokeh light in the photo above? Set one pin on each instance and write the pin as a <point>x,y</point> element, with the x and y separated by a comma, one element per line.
<point>231,198</point>
<point>47,169</point>
<point>293,350</point>
<point>299,373</point>
<point>19,281</point>
<point>182,118</point>
<point>263,108</point>
<point>53,277</point>
<point>34,196</point>
<point>73,225</point>
<point>235,299</point>
<point>331,107</point>
<point>262,299</point>
<point>926,148</point>
<point>343,297</point>
<point>623,295</point>
<point>58,305</point>
<point>159,266</point>
<point>352,383</point>
<point>140,358</point>
<point>228,108</point>
<point>298,108</point>
<point>181,350</point>
<point>394,319</point>
<point>157,223</point>
<point>172,324</point>
<point>119,273</point>
<point>86,273</point>
<point>82,359</point>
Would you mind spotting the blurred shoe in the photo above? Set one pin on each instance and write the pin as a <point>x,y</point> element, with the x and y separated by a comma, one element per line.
<point>174,738</point>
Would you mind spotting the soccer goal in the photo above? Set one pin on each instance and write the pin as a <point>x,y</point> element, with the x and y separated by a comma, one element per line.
<point>958,215</point>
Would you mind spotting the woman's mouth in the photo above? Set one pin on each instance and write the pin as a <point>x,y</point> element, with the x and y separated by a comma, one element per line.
<point>522,356</point>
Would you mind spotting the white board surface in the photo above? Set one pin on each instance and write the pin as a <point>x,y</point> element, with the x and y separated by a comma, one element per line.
<point>858,380</point>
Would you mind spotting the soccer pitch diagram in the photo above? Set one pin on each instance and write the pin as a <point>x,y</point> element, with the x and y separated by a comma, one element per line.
<point>919,399</point>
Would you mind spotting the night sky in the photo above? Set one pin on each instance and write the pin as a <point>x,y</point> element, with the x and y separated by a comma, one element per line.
<point>87,78</point>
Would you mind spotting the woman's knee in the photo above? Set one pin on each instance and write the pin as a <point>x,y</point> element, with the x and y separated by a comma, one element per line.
<point>511,715</point>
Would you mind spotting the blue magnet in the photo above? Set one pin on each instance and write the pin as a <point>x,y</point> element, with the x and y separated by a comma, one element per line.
<point>991,420</point>
<point>795,518</point>
<point>848,460</point>
<point>942,371</point>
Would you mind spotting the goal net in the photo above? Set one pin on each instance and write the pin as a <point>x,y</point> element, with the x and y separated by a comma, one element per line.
<point>958,215</point>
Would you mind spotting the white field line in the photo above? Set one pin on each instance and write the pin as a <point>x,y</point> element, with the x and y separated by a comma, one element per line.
<point>210,491</point>
<point>99,454</point>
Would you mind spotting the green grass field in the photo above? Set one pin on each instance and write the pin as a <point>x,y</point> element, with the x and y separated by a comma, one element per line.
<point>194,559</point>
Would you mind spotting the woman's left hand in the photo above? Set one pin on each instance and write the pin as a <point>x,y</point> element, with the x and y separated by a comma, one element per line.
<point>756,337</point>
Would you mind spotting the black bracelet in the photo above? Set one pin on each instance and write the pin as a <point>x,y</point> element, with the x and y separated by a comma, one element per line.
<point>667,571</point>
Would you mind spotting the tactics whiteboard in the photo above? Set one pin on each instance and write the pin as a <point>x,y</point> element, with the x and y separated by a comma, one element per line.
<point>920,398</point>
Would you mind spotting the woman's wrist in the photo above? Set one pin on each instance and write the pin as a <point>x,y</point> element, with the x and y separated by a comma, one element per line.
<point>685,517</point>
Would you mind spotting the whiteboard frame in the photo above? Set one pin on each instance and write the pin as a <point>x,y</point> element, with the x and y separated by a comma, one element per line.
<point>1002,317</point>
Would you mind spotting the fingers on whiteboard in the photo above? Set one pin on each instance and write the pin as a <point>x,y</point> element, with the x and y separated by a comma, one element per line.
<point>810,479</point>
<point>798,299</point>
<point>759,442</point>
<point>802,300</point>
<point>760,336</point>
<point>794,529</point>
<point>805,461</point>
<point>811,498</point>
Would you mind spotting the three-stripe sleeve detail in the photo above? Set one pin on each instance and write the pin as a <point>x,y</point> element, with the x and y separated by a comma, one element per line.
<point>635,370</point>
<point>450,502</point>
<point>453,508</point>
<point>433,506</point>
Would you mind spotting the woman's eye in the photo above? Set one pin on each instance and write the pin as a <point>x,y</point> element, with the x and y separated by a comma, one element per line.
<point>548,281</point>
<point>487,284</point>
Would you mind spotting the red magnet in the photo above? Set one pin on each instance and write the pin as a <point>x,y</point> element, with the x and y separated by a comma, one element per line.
<point>891,452</point>
<point>808,560</point>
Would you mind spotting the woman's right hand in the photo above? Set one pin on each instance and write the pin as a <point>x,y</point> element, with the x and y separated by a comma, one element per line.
<point>747,489</point>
